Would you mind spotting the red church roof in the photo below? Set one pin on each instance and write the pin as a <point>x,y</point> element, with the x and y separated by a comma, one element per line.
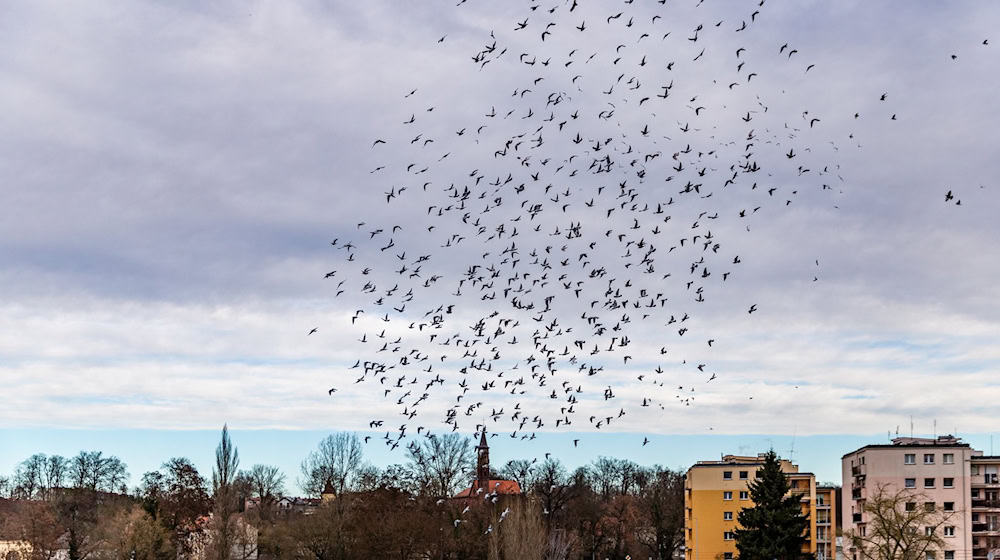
<point>497,486</point>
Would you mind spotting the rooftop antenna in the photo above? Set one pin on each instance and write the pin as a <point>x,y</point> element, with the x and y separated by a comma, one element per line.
<point>791,450</point>
<point>935,428</point>
<point>911,426</point>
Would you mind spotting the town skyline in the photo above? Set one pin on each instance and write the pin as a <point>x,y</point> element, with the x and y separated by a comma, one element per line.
<point>144,451</point>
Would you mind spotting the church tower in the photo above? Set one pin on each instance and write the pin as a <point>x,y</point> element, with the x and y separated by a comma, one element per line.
<point>483,463</point>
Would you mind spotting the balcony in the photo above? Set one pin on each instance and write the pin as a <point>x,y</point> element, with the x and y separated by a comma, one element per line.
<point>856,493</point>
<point>986,480</point>
<point>857,470</point>
<point>856,518</point>
<point>985,504</point>
<point>986,527</point>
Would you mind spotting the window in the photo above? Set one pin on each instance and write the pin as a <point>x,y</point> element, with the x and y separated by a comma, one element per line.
<point>728,536</point>
<point>948,482</point>
<point>949,506</point>
<point>928,458</point>
<point>975,492</point>
<point>929,531</point>
<point>911,506</point>
<point>727,516</point>
<point>727,475</point>
<point>929,555</point>
<point>910,459</point>
<point>862,459</point>
<point>948,459</point>
<point>729,556</point>
<point>949,531</point>
<point>727,495</point>
<point>744,475</point>
<point>928,506</point>
<point>928,483</point>
<point>744,495</point>
<point>949,555</point>
<point>910,483</point>
<point>862,530</point>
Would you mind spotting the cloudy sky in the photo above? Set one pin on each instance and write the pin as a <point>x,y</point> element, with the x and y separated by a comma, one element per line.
<point>174,174</point>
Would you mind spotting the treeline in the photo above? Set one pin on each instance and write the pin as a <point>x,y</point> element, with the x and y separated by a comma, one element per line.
<point>610,508</point>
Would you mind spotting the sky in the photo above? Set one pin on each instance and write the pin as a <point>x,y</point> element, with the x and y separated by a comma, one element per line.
<point>175,174</point>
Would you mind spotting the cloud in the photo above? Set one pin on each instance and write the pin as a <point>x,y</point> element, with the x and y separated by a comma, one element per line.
<point>176,174</point>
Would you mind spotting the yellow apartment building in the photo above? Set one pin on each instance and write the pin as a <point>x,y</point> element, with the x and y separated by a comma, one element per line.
<point>716,491</point>
<point>827,521</point>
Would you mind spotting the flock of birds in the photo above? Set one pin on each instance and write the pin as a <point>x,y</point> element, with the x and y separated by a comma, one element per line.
<point>539,266</point>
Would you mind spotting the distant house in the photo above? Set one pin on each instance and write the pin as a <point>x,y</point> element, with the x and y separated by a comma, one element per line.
<point>292,505</point>
<point>485,486</point>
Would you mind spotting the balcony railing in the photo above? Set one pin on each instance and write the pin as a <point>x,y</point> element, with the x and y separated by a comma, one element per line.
<point>985,527</point>
<point>856,517</point>
<point>986,503</point>
<point>991,479</point>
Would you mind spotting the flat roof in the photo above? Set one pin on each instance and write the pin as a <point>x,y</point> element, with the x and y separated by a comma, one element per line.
<point>907,446</point>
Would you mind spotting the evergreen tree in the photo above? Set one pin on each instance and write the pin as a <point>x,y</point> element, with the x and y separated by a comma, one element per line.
<point>775,527</point>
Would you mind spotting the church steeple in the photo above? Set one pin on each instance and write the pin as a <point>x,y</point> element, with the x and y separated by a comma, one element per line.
<point>483,463</point>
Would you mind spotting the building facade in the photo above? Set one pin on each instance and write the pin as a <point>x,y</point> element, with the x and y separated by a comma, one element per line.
<point>984,506</point>
<point>936,470</point>
<point>715,492</point>
<point>827,521</point>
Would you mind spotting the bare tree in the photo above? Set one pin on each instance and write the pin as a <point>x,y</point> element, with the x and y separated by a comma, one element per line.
<point>338,460</point>
<point>441,462</point>
<point>662,503</point>
<point>55,471</point>
<point>604,476</point>
<point>266,483</point>
<point>92,470</point>
<point>29,477</point>
<point>225,522</point>
<point>227,461</point>
<point>552,488</point>
<point>520,471</point>
<point>176,495</point>
<point>899,526</point>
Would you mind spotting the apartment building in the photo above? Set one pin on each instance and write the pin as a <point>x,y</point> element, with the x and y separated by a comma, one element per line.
<point>984,506</point>
<point>827,500</point>
<point>715,492</point>
<point>938,471</point>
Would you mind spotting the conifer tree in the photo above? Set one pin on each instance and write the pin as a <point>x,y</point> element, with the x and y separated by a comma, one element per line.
<point>775,527</point>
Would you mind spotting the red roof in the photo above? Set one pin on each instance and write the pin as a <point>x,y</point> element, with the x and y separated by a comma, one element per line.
<point>497,486</point>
